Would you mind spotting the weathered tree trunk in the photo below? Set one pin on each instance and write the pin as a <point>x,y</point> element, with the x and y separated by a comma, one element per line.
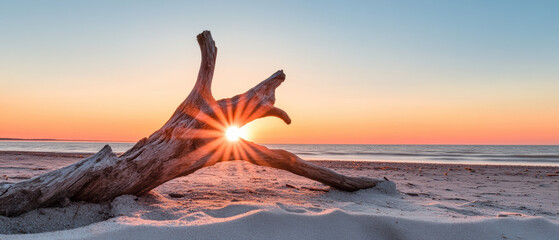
<point>191,139</point>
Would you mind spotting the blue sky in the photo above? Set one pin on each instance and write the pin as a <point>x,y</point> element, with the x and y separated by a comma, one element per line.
<point>384,58</point>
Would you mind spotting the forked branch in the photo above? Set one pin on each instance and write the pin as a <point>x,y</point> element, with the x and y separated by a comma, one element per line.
<point>191,139</point>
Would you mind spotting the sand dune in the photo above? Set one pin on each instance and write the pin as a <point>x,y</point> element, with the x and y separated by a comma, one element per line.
<point>330,224</point>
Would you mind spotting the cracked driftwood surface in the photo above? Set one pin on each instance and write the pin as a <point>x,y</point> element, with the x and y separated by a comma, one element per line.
<point>192,138</point>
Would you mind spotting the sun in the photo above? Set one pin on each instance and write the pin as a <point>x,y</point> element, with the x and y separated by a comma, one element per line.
<point>233,133</point>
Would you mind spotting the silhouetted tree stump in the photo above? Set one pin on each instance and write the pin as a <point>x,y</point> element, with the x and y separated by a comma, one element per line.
<point>191,139</point>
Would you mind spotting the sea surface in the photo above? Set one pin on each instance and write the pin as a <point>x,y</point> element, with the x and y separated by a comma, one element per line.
<point>540,155</point>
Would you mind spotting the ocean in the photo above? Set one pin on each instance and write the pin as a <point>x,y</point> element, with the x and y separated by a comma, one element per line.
<point>538,155</point>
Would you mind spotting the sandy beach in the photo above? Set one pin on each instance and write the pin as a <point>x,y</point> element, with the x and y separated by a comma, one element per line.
<point>282,120</point>
<point>237,200</point>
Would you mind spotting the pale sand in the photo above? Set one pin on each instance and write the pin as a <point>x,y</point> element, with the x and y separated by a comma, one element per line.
<point>237,200</point>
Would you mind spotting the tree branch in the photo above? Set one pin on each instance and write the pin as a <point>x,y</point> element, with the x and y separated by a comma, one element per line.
<point>191,139</point>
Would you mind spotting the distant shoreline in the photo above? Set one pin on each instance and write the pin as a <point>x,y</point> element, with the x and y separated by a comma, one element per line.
<point>330,162</point>
<point>469,154</point>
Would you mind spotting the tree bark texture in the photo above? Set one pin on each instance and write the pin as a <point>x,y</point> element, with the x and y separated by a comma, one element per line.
<point>191,139</point>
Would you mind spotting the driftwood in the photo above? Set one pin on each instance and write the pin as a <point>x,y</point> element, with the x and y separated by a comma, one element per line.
<point>191,139</point>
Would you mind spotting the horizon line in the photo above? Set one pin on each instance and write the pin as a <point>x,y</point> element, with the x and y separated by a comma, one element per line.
<point>122,141</point>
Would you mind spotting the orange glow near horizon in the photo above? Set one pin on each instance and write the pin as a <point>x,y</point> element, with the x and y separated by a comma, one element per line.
<point>380,126</point>
<point>441,125</point>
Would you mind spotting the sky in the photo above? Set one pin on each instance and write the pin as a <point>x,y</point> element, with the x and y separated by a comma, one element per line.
<point>358,72</point>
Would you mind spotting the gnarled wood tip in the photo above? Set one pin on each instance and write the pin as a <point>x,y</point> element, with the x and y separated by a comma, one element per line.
<point>279,113</point>
<point>267,90</point>
<point>207,47</point>
<point>205,38</point>
<point>275,111</point>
